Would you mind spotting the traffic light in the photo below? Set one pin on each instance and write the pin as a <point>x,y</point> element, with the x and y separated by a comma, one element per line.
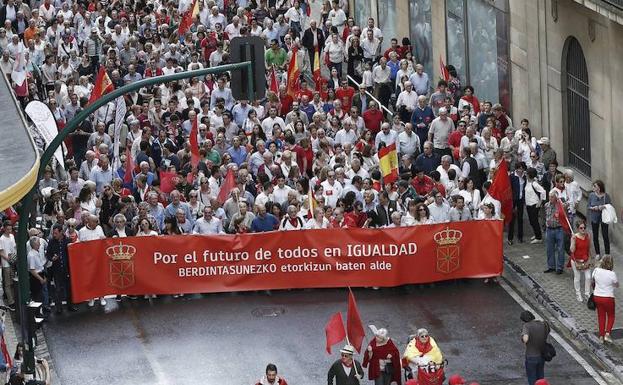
<point>250,49</point>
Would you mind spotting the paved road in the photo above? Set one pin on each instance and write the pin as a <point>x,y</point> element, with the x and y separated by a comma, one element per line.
<point>229,338</point>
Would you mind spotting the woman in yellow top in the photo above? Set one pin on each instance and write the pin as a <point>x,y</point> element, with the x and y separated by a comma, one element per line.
<point>422,350</point>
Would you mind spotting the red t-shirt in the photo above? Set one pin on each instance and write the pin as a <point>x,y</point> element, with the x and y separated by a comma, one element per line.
<point>373,120</point>
<point>286,104</point>
<point>347,92</point>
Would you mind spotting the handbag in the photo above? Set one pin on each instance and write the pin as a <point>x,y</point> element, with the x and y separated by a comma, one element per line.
<point>549,352</point>
<point>609,214</point>
<point>582,265</point>
<point>389,368</point>
<point>590,303</point>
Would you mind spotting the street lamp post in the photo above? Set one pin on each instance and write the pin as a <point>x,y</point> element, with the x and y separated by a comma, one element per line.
<point>27,202</point>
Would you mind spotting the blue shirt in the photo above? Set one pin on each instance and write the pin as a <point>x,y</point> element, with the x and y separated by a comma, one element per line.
<point>238,155</point>
<point>309,110</point>
<point>240,113</point>
<point>268,223</point>
<point>394,67</point>
<point>421,84</point>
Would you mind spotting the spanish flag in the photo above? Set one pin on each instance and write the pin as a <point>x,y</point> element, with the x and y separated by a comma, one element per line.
<point>294,74</point>
<point>187,18</point>
<point>103,85</point>
<point>312,202</point>
<point>316,74</point>
<point>388,161</point>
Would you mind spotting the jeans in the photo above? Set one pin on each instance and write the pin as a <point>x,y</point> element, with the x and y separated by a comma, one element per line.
<point>555,251</point>
<point>533,218</point>
<point>577,280</point>
<point>535,369</point>
<point>604,234</point>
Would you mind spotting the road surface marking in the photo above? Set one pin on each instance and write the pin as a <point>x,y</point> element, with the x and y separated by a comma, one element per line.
<point>589,369</point>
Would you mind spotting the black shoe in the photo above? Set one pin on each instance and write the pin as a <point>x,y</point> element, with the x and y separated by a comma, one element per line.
<point>549,271</point>
<point>521,241</point>
<point>509,242</point>
<point>558,272</point>
<point>72,308</point>
<point>11,307</point>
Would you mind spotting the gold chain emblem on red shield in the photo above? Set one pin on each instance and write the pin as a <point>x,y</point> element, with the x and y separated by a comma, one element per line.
<point>121,265</point>
<point>448,250</point>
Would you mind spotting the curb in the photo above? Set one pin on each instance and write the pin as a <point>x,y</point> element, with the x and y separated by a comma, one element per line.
<point>585,337</point>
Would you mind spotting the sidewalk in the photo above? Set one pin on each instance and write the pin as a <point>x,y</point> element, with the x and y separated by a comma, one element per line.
<point>532,259</point>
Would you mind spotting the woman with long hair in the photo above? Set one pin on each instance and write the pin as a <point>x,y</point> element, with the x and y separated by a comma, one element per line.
<point>580,260</point>
<point>597,200</point>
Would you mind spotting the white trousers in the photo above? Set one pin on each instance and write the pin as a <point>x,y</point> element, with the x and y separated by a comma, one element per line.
<point>577,277</point>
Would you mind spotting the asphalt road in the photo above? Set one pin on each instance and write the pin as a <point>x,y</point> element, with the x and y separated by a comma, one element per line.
<point>228,338</point>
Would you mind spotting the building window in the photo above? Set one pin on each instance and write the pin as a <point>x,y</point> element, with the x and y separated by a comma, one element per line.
<point>455,26</point>
<point>387,22</point>
<point>422,33</point>
<point>477,44</point>
<point>576,113</point>
<point>362,12</point>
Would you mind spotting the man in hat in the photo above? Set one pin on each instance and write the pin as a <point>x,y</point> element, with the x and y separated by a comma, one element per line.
<point>346,370</point>
<point>383,358</point>
<point>271,377</point>
<point>547,153</point>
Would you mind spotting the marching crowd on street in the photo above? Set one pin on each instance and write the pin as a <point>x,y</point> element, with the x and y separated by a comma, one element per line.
<point>302,158</point>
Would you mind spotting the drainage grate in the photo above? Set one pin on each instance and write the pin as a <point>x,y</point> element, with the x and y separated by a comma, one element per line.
<point>268,311</point>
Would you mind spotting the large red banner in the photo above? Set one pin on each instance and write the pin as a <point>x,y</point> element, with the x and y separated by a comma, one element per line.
<point>285,260</point>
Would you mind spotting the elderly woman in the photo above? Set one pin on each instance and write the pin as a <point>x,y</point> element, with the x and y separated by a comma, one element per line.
<point>605,282</point>
<point>319,221</point>
<point>382,358</point>
<point>422,350</point>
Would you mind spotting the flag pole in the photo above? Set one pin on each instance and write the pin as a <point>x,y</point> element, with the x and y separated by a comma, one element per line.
<point>348,342</point>
<point>354,362</point>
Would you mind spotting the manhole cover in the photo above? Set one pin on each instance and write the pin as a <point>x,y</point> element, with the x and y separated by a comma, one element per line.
<point>268,311</point>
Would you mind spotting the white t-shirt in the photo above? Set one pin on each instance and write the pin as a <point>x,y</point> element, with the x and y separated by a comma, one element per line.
<point>86,234</point>
<point>8,245</point>
<point>605,281</point>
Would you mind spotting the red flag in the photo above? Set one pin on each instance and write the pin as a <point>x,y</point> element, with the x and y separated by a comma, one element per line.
<point>227,186</point>
<point>187,18</point>
<point>5,352</point>
<point>129,166</point>
<point>294,74</point>
<point>562,217</point>
<point>334,330</point>
<point>103,85</point>
<point>273,84</point>
<point>354,326</point>
<point>167,181</point>
<point>501,190</point>
<point>194,144</point>
<point>445,75</point>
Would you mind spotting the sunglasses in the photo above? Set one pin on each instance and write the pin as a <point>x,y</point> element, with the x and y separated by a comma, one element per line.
<point>582,227</point>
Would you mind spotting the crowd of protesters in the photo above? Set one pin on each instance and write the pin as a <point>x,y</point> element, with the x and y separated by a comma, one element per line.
<point>320,140</point>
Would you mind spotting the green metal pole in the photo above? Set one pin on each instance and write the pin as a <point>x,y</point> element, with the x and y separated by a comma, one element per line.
<point>27,201</point>
<point>250,90</point>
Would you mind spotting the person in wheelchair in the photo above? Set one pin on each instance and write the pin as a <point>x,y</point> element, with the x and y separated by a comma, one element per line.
<point>422,351</point>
